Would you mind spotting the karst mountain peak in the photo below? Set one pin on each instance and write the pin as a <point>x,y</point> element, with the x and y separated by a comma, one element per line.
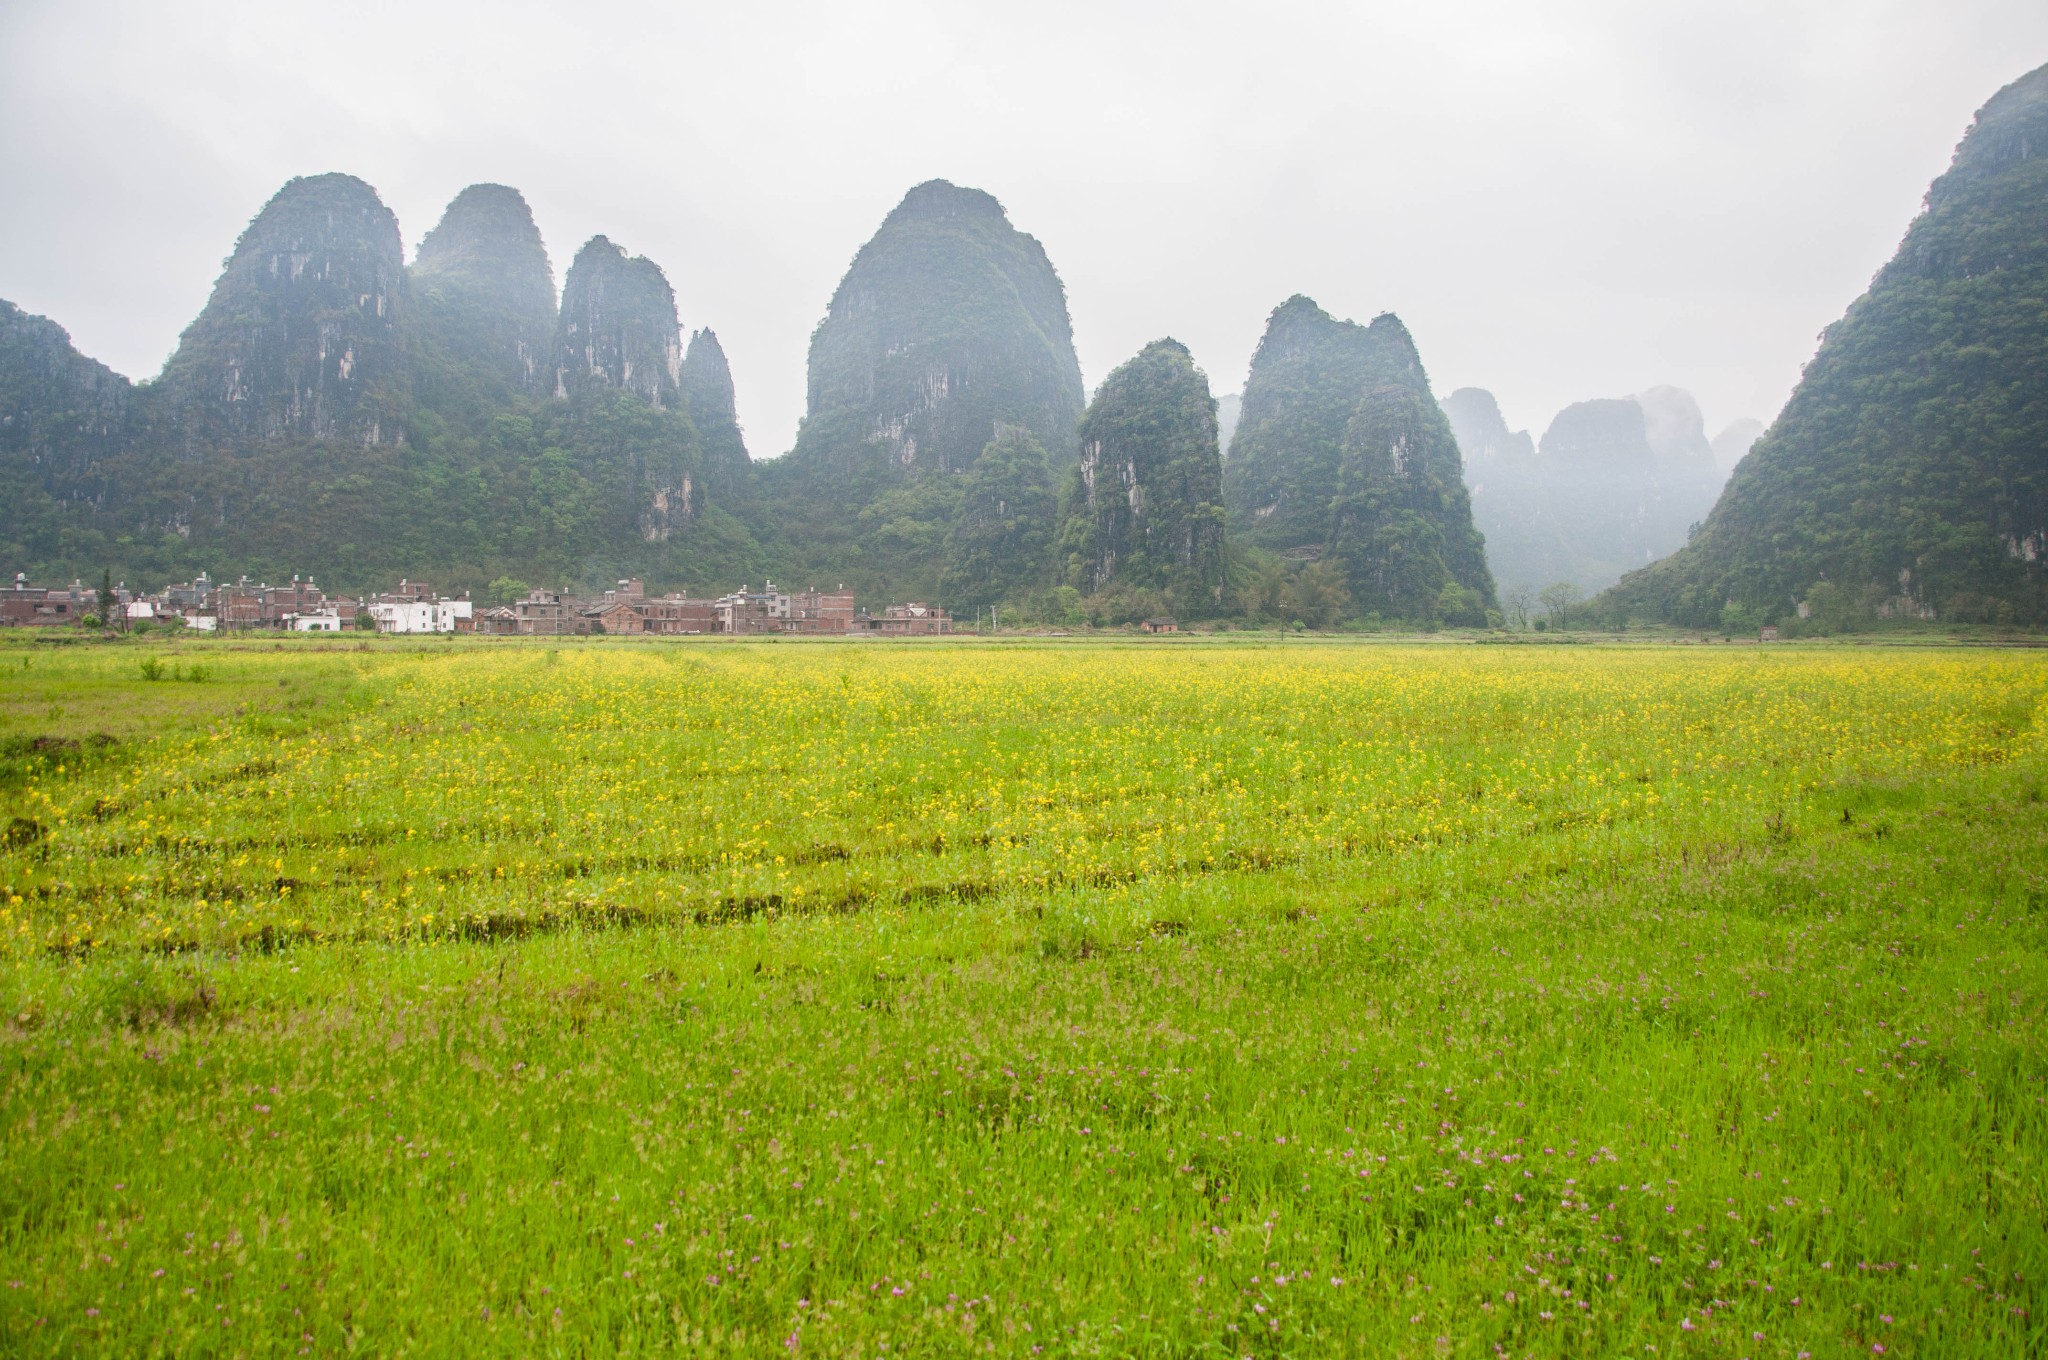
<point>336,409</point>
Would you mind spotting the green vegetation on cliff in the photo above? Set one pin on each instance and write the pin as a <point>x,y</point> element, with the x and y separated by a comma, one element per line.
<point>1306,380</point>
<point>64,423</point>
<point>949,325</point>
<point>1146,512</point>
<point>300,338</point>
<point>483,296</point>
<point>1401,521</point>
<point>1001,544</point>
<point>1343,460</point>
<point>708,395</point>
<point>1908,474</point>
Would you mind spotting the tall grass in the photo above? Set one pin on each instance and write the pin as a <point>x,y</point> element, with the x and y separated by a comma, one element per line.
<point>1090,1000</point>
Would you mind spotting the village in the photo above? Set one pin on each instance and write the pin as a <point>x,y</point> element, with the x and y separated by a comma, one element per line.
<point>301,606</point>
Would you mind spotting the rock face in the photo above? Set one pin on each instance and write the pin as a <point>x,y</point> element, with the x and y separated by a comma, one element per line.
<point>708,394</point>
<point>483,287</point>
<point>1482,432</point>
<point>949,326</point>
<point>300,337</point>
<point>1150,513</point>
<point>329,413</point>
<point>618,327</point>
<point>61,414</point>
<point>65,421</point>
<point>949,322</point>
<point>1909,471</point>
<point>1340,453</point>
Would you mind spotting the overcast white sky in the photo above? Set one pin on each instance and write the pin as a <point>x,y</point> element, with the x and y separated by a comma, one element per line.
<point>1563,200</point>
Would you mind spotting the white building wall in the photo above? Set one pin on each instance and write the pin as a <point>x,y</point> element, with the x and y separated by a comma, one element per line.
<point>419,616</point>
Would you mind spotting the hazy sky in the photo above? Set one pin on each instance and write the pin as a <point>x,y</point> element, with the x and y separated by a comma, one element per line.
<point>1562,200</point>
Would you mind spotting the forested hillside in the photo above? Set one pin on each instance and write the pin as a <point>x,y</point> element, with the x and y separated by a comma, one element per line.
<point>1908,474</point>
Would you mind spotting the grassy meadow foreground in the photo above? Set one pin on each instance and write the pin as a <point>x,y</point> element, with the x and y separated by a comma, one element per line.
<point>1176,999</point>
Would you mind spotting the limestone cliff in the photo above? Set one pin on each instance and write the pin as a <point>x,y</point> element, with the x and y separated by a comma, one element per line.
<point>1150,513</point>
<point>708,393</point>
<point>1307,378</point>
<point>64,422</point>
<point>301,335</point>
<point>1400,518</point>
<point>329,413</point>
<point>618,327</point>
<point>949,326</point>
<point>949,322</point>
<point>483,290</point>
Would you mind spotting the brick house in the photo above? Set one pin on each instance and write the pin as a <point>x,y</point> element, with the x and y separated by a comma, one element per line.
<point>544,612</point>
<point>916,619</point>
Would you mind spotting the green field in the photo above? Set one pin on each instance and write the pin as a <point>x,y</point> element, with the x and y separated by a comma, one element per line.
<point>1248,998</point>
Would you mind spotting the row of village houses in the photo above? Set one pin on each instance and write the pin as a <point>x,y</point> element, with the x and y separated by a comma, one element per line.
<point>415,607</point>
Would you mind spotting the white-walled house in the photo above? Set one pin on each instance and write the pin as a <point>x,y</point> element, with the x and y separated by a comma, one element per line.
<point>420,615</point>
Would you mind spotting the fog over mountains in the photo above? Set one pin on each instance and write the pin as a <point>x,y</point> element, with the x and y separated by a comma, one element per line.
<point>335,410</point>
<point>1615,483</point>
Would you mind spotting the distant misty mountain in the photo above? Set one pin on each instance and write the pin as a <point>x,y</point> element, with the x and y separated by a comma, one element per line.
<point>1482,432</point>
<point>1227,410</point>
<point>1734,442</point>
<point>1613,484</point>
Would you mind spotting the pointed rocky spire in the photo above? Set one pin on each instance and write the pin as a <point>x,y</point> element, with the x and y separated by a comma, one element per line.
<point>708,392</point>
<point>618,326</point>
<point>949,322</point>
<point>1152,476</point>
<point>300,336</point>
<point>1307,378</point>
<point>484,288</point>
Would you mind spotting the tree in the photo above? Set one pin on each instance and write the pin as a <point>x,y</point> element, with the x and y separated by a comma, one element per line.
<point>1559,599</point>
<point>506,590</point>
<point>1518,602</point>
<point>1317,596</point>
